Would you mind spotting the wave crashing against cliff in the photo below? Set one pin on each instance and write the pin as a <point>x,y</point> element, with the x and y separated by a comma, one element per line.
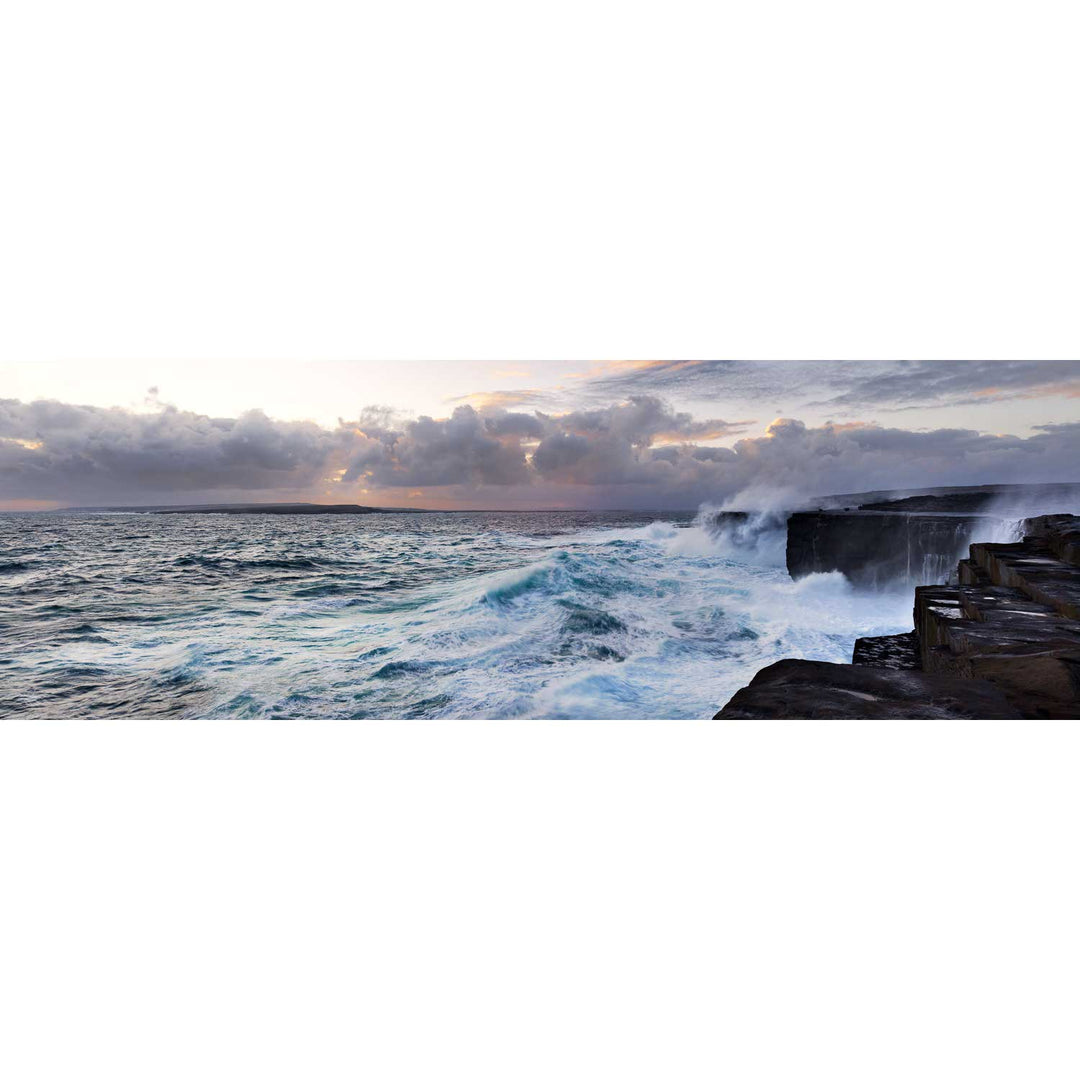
<point>913,539</point>
<point>465,615</point>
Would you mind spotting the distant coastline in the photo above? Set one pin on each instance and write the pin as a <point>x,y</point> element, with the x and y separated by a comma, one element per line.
<point>979,498</point>
<point>340,508</point>
<point>252,508</point>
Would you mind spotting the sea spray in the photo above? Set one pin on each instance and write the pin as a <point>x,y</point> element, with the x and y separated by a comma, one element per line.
<point>757,536</point>
<point>441,616</point>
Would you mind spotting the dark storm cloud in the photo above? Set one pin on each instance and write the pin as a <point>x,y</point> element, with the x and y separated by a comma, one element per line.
<point>637,453</point>
<point>614,445</point>
<point>645,419</point>
<point>466,448</point>
<point>843,386</point>
<point>628,455</point>
<point>847,457</point>
<point>491,447</point>
<point>794,462</point>
<point>83,453</point>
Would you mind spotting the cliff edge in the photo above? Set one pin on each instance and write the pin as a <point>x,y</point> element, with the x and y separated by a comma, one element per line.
<point>1002,643</point>
<point>914,539</point>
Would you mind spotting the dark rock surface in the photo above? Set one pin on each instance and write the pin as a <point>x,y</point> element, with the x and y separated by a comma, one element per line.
<point>1061,533</point>
<point>812,690</point>
<point>250,508</point>
<point>1014,618</point>
<point>897,651</point>
<point>1008,500</point>
<point>273,508</point>
<point>914,539</point>
<point>1011,625</point>
<point>875,548</point>
<point>961,502</point>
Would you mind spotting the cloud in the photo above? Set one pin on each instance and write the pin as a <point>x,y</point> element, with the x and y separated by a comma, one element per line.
<point>908,384</point>
<point>637,453</point>
<point>492,446</point>
<point>613,445</point>
<point>503,399</point>
<point>645,419</point>
<point>84,453</point>
<point>841,386</point>
<point>467,448</point>
<point>590,467</point>
<point>833,458</point>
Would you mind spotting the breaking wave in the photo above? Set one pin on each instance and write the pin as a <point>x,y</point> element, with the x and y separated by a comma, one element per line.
<point>440,616</point>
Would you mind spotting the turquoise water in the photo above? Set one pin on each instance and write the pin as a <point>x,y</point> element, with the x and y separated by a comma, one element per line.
<point>499,615</point>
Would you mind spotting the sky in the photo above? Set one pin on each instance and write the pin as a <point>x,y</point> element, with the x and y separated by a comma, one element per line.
<point>655,435</point>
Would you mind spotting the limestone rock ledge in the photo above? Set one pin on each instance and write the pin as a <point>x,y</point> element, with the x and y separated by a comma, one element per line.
<point>1005,640</point>
<point>814,690</point>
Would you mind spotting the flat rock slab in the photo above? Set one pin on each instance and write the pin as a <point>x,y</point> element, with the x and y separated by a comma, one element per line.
<point>1046,580</point>
<point>897,651</point>
<point>1061,532</point>
<point>814,690</point>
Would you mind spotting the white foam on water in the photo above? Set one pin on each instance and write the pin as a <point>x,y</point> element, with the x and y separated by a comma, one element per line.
<point>662,619</point>
<point>651,621</point>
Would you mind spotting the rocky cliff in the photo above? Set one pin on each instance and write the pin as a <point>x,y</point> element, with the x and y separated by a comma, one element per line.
<point>1004,642</point>
<point>914,539</point>
<point>874,547</point>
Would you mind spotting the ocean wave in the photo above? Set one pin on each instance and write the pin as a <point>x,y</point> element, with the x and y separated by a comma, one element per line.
<point>585,620</point>
<point>512,585</point>
<point>592,615</point>
<point>228,563</point>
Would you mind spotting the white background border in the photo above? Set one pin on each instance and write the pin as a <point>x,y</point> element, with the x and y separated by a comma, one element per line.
<point>586,180</point>
<point>535,900</point>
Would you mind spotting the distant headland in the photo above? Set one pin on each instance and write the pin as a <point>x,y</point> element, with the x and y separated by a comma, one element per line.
<point>256,508</point>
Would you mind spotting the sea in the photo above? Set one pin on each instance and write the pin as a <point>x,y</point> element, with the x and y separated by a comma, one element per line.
<point>544,615</point>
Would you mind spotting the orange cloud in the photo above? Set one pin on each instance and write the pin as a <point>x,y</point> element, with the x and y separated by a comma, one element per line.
<point>1065,389</point>
<point>722,430</point>
<point>495,399</point>
<point>613,367</point>
<point>1069,389</point>
<point>851,425</point>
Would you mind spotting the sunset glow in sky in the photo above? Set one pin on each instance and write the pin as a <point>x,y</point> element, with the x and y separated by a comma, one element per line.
<point>590,434</point>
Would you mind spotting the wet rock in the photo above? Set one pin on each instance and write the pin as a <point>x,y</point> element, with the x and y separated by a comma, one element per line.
<point>1011,625</point>
<point>897,651</point>
<point>1031,568</point>
<point>960,502</point>
<point>1061,533</point>
<point>918,539</point>
<point>813,690</point>
<point>874,548</point>
<point>1012,620</point>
